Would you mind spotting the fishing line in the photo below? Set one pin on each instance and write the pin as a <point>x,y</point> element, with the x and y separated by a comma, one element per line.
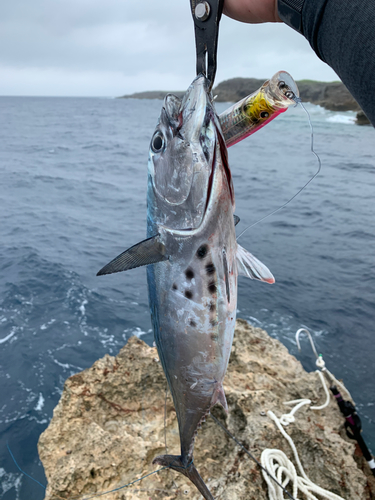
<point>251,456</point>
<point>165,420</point>
<point>125,485</point>
<point>298,101</point>
<point>81,497</point>
<point>23,472</point>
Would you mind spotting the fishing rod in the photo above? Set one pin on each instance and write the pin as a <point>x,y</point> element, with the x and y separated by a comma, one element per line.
<point>353,424</point>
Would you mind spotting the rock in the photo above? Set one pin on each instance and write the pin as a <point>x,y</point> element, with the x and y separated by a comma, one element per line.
<point>236,89</point>
<point>331,95</point>
<point>109,425</point>
<point>361,119</point>
<point>336,97</point>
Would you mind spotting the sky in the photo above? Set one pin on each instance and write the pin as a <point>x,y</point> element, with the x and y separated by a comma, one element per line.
<point>113,47</point>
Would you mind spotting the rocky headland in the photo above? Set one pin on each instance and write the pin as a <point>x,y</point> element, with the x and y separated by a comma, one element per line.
<point>109,425</point>
<point>333,96</point>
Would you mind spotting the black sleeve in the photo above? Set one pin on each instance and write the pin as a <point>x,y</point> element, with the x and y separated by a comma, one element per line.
<point>342,33</point>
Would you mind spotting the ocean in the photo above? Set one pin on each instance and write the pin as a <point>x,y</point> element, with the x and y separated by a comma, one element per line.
<point>73,175</point>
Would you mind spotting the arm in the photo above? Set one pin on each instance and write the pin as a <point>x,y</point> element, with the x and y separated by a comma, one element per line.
<point>341,32</point>
<point>252,11</point>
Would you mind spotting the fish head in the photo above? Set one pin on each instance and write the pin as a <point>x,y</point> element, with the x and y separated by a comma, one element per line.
<point>182,156</point>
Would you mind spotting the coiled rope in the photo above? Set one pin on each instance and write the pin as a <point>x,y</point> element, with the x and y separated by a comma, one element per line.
<point>278,464</point>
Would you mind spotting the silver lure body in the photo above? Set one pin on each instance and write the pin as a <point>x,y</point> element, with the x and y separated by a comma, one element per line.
<point>193,294</point>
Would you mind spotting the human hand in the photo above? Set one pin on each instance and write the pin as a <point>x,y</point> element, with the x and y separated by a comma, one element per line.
<point>252,11</point>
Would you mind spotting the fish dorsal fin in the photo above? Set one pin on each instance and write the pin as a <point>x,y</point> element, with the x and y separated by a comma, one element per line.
<point>236,219</point>
<point>250,266</point>
<point>219,397</point>
<point>146,252</point>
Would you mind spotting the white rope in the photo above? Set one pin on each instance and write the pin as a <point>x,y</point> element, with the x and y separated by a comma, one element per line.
<point>289,418</point>
<point>278,464</point>
<point>320,363</point>
<point>328,396</point>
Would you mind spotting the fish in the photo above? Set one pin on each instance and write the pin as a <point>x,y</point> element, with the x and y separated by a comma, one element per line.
<point>253,112</point>
<point>193,261</point>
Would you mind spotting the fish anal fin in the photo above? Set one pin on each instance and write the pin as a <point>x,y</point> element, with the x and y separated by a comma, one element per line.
<point>174,462</point>
<point>250,266</point>
<point>236,219</point>
<point>219,397</point>
<point>146,252</point>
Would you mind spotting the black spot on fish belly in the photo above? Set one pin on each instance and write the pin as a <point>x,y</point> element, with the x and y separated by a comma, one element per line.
<point>192,323</point>
<point>202,251</point>
<point>210,268</point>
<point>174,286</point>
<point>212,287</point>
<point>214,336</point>
<point>189,273</point>
<point>212,307</point>
<point>188,294</point>
<point>214,322</point>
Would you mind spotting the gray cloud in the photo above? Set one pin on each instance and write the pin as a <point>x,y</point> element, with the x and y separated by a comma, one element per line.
<point>91,47</point>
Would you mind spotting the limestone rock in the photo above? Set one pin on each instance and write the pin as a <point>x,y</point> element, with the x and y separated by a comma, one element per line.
<point>331,95</point>
<point>109,425</point>
<point>361,119</point>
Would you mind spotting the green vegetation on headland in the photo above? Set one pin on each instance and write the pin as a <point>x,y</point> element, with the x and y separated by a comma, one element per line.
<point>333,96</point>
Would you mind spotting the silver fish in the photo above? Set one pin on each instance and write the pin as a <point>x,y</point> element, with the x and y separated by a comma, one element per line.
<point>193,262</point>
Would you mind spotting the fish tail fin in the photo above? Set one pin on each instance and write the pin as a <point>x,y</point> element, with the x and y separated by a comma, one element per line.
<point>175,463</point>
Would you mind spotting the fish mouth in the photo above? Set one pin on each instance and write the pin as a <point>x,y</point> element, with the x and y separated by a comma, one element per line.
<point>227,172</point>
<point>185,175</point>
<point>197,112</point>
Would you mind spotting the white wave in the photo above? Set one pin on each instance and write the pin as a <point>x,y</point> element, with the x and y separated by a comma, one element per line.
<point>8,481</point>
<point>40,403</point>
<point>135,331</point>
<point>346,119</point>
<point>45,326</point>
<point>254,320</point>
<point>12,333</point>
<point>63,365</point>
<point>82,307</point>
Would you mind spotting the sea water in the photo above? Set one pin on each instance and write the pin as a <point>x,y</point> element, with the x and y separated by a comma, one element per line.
<point>73,196</point>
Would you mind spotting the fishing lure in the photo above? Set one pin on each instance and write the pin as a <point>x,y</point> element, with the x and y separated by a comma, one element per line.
<point>259,108</point>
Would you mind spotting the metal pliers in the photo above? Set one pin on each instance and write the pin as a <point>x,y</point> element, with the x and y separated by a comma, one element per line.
<point>206,16</point>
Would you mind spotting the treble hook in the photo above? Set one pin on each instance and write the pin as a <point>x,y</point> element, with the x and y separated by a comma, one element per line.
<point>310,338</point>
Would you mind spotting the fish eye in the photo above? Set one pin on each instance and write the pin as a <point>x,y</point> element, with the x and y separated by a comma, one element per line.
<point>157,142</point>
<point>286,90</point>
<point>264,114</point>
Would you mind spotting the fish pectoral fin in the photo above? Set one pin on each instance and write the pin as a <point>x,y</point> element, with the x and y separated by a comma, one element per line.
<point>146,252</point>
<point>250,266</point>
<point>219,397</point>
<point>236,219</point>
